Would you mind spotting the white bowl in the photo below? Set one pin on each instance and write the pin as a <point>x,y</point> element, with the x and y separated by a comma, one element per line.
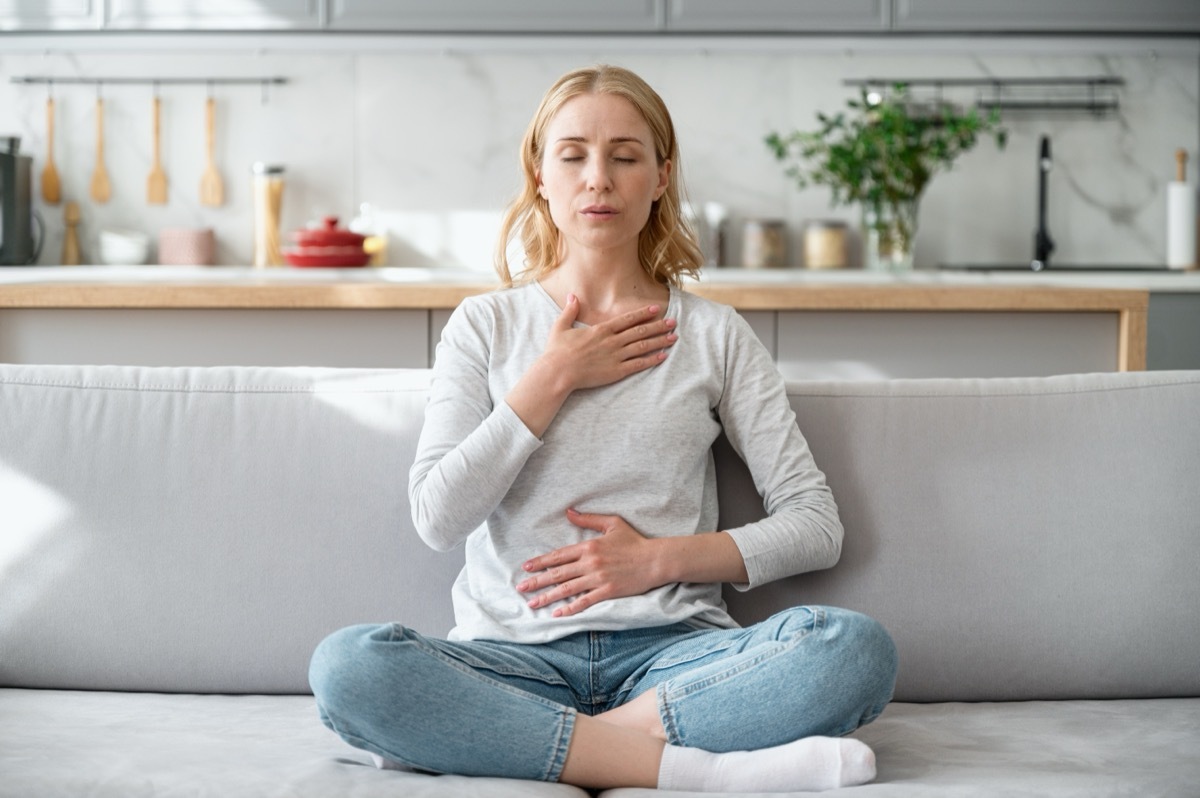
<point>123,247</point>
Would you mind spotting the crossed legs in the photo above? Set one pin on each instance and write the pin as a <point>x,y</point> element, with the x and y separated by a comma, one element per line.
<point>709,702</point>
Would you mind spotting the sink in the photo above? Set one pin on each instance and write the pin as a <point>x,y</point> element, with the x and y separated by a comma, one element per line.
<point>1058,268</point>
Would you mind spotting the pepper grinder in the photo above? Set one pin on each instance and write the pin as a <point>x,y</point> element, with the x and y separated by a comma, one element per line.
<point>70,253</point>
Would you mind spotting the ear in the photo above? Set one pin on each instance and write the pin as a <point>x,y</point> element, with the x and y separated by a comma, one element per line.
<point>664,178</point>
<point>541,187</point>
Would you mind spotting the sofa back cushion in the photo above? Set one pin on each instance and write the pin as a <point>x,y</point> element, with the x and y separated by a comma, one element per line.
<point>200,530</point>
<point>1020,538</point>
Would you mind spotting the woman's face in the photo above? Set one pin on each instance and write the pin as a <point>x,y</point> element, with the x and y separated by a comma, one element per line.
<point>599,173</point>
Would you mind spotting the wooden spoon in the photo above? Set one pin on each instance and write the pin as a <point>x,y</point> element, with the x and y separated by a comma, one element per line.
<point>101,189</point>
<point>212,190</point>
<point>156,184</point>
<point>51,189</point>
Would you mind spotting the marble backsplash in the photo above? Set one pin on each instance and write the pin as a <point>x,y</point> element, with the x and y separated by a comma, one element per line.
<point>428,136</point>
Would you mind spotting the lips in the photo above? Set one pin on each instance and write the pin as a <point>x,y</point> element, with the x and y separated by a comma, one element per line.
<point>599,211</point>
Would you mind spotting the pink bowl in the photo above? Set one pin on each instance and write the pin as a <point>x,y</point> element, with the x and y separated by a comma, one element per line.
<point>186,247</point>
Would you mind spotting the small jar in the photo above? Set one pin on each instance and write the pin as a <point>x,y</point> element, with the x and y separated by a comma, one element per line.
<point>825,244</point>
<point>268,202</point>
<point>764,244</point>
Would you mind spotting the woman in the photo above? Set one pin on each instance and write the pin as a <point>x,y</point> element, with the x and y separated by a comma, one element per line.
<point>567,443</point>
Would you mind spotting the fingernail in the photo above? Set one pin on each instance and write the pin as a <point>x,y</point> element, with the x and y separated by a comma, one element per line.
<point>570,298</point>
<point>521,588</point>
<point>653,309</point>
<point>669,322</point>
<point>672,337</point>
<point>528,566</point>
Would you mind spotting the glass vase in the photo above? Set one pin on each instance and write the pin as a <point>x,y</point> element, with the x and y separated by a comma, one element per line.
<point>888,233</point>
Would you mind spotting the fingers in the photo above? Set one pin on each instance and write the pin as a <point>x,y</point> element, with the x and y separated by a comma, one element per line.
<point>600,523</point>
<point>638,335</point>
<point>632,319</point>
<point>578,605</point>
<point>569,314</point>
<point>581,589</point>
<point>578,588</point>
<point>557,557</point>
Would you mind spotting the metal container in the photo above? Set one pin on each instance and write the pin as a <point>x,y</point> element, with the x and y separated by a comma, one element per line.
<point>764,244</point>
<point>825,244</point>
<point>18,246</point>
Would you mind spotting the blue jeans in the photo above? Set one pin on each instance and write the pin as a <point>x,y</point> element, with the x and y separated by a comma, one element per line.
<point>482,708</point>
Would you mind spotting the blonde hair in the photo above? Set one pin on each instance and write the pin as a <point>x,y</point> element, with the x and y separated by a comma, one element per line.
<point>667,245</point>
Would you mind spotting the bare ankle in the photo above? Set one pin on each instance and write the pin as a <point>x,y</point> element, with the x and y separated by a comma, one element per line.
<point>640,714</point>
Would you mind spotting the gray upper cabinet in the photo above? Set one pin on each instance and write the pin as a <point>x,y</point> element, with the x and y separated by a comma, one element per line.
<point>494,16</point>
<point>57,15</point>
<point>213,14</point>
<point>1048,16</point>
<point>778,16</point>
<point>706,17</point>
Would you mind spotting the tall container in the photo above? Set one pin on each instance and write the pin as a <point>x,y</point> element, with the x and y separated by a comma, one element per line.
<point>1181,217</point>
<point>268,203</point>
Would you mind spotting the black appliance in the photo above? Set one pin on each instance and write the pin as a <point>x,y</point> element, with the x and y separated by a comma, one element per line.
<point>18,247</point>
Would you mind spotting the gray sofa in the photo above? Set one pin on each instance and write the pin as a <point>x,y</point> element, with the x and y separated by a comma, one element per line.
<point>174,543</point>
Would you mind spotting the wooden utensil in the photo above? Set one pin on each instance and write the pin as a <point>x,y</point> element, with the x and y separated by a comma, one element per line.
<point>70,253</point>
<point>212,190</point>
<point>101,188</point>
<point>156,184</point>
<point>51,190</point>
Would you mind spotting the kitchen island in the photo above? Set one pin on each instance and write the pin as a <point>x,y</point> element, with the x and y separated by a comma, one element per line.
<point>816,324</point>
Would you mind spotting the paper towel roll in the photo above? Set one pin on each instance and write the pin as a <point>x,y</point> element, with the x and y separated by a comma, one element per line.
<point>1181,225</point>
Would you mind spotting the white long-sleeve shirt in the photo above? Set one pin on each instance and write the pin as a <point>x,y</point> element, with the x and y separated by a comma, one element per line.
<point>639,448</point>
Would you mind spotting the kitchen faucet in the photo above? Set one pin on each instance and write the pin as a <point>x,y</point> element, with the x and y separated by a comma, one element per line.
<point>1043,244</point>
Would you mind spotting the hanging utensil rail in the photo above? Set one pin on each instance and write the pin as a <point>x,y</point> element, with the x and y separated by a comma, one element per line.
<point>1096,94</point>
<point>33,79</point>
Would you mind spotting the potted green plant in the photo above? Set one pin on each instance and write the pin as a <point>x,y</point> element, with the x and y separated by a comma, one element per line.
<point>880,154</point>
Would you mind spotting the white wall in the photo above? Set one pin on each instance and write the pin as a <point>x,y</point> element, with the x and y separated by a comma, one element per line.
<point>427,131</point>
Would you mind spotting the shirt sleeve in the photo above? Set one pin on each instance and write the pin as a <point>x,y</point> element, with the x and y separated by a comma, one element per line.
<point>802,531</point>
<point>470,450</point>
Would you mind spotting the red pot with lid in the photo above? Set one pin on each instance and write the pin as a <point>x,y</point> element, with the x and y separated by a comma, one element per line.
<point>326,246</point>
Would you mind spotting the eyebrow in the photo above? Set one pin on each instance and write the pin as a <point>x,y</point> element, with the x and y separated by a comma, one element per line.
<point>613,140</point>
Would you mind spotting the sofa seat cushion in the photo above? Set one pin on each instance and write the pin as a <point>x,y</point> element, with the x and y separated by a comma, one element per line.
<point>1067,749</point>
<point>125,745</point>
<point>64,744</point>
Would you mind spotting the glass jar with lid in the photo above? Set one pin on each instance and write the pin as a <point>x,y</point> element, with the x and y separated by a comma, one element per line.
<point>825,244</point>
<point>268,203</point>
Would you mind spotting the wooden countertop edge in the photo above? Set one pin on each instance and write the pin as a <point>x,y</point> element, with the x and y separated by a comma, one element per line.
<point>918,298</point>
<point>380,296</point>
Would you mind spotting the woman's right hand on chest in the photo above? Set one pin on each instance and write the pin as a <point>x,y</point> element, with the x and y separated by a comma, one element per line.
<point>588,357</point>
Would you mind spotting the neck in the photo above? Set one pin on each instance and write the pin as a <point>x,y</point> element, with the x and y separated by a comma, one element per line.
<point>606,285</point>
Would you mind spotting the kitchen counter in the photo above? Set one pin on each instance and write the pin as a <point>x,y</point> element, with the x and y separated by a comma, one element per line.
<point>200,287</point>
<point>199,315</point>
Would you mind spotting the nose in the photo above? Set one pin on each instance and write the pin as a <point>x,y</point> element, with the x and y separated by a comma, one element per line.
<point>598,176</point>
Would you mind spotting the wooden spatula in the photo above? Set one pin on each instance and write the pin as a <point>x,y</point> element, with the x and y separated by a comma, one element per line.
<point>156,184</point>
<point>101,189</point>
<point>212,190</point>
<point>51,190</point>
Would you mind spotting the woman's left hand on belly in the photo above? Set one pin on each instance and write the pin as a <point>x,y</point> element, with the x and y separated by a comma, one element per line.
<point>621,562</point>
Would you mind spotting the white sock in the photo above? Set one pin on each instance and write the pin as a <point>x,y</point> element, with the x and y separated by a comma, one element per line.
<point>387,764</point>
<point>811,763</point>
